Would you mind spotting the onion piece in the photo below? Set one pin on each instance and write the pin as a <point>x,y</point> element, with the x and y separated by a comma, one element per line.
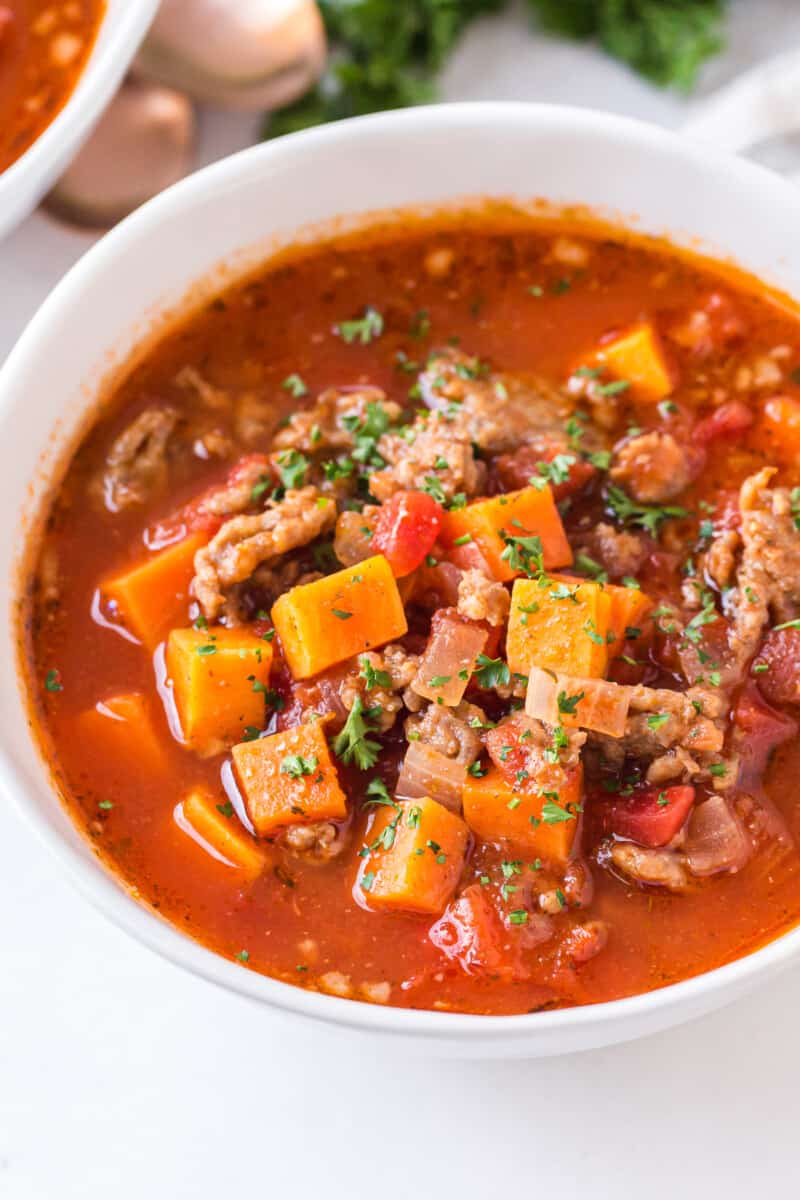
<point>602,707</point>
<point>449,659</point>
<point>427,772</point>
<point>716,840</point>
<point>248,55</point>
<point>142,144</point>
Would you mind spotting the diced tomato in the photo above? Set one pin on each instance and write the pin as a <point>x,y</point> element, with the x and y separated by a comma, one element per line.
<point>406,528</point>
<point>760,729</point>
<point>650,816</point>
<point>516,470</point>
<point>471,933</point>
<point>779,660</point>
<point>729,420</point>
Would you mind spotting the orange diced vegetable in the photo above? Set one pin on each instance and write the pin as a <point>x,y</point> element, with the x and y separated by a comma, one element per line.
<point>538,824</point>
<point>490,523</point>
<point>219,677</point>
<point>153,597</point>
<point>449,659</point>
<point>121,728</point>
<point>289,778</point>
<point>217,826</point>
<point>416,854</point>
<point>581,703</point>
<point>629,605</point>
<point>562,626</point>
<point>335,618</point>
<point>639,358</point>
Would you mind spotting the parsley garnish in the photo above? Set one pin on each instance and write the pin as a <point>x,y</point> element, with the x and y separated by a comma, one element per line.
<point>372,677</point>
<point>353,744</point>
<point>647,516</point>
<point>292,467</point>
<point>492,672</point>
<point>295,766</point>
<point>52,681</point>
<point>363,329</point>
<point>294,384</point>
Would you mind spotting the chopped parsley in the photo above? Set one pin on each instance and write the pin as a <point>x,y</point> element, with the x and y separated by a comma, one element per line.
<point>492,672</point>
<point>646,516</point>
<point>292,467</point>
<point>52,681</point>
<point>295,385</point>
<point>372,677</point>
<point>569,704</point>
<point>555,814</point>
<point>295,766</point>
<point>362,330</point>
<point>354,744</point>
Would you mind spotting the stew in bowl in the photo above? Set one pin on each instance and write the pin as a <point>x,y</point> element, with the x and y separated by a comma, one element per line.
<point>44,46</point>
<point>418,623</point>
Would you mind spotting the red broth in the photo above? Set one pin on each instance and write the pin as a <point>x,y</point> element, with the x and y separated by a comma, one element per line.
<point>44,45</point>
<point>531,304</point>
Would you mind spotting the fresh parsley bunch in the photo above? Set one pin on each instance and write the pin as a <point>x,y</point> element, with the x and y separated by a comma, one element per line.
<point>387,53</point>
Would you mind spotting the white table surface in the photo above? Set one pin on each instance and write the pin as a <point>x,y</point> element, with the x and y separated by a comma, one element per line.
<point>121,1076</point>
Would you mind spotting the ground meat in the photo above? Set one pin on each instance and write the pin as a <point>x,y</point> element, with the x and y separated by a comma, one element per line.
<point>482,599</point>
<point>660,868</point>
<point>653,467</point>
<point>320,841</point>
<point>136,464</point>
<point>246,542</point>
<point>685,743</point>
<point>720,558</point>
<point>393,661</point>
<point>237,494</point>
<point>770,565</point>
<point>494,411</point>
<point>434,449</point>
<point>325,427</point>
<point>190,379</point>
<point>449,730</point>
<point>619,553</point>
<point>582,942</point>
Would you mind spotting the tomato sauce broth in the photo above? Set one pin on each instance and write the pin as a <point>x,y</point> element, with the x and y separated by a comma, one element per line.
<point>507,298</point>
<point>44,45</point>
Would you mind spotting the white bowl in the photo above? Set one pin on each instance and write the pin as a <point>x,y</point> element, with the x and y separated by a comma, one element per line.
<point>238,211</point>
<point>23,184</point>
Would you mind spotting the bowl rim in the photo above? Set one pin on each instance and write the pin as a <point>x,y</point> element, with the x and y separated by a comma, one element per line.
<point>95,881</point>
<point>94,88</point>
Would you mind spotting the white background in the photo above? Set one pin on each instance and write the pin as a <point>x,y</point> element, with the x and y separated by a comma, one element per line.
<point>121,1076</point>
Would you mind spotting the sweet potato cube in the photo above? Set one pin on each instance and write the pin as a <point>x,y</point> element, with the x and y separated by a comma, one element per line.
<point>289,778</point>
<point>415,856</point>
<point>536,823</point>
<point>214,824</point>
<point>219,677</point>
<point>638,357</point>
<point>335,618</point>
<point>629,606</point>
<point>121,729</point>
<point>489,523</point>
<point>562,626</point>
<point>153,597</point>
